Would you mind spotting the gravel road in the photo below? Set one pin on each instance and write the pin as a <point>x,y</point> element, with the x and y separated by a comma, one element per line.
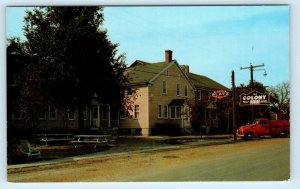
<point>266,159</point>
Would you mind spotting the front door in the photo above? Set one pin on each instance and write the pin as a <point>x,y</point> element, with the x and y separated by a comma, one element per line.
<point>186,116</point>
<point>95,117</point>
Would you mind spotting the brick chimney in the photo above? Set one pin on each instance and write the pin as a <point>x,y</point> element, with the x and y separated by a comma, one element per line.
<point>168,56</point>
<point>187,69</point>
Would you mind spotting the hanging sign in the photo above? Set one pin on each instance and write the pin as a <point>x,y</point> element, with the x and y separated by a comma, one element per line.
<point>219,94</point>
<point>254,98</point>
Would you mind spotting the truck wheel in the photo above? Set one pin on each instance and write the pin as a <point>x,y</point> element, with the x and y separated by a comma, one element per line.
<point>283,133</point>
<point>250,136</point>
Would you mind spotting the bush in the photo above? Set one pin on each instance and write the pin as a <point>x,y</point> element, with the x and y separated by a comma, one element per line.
<point>166,129</point>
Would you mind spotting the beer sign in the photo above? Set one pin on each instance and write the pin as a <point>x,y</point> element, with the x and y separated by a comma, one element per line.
<point>219,94</point>
<point>254,98</point>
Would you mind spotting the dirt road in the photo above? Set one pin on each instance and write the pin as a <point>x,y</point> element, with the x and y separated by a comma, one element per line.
<point>266,159</point>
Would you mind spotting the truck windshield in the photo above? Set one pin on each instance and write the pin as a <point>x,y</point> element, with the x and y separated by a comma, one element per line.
<point>256,122</point>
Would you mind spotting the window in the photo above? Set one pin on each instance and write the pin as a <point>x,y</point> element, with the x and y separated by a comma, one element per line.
<point>52,113</point>
<point>95,112</point>
<point>167,72</point>
<point>136,111</point>
<point>164,87</point>
<point>104,112</point>
<point>199,95</point>
<point>41,112</point>
<point>178,112</point>
<point>175,112</point>
<point>178,89</point>
<point>263,122</point>
<point>84,113</point>
<point>165,111</point>
<point>162,111</point>
<point>172,114</point>
<point>159,111</point>
<point>71,113</point>
<point>185,90</point>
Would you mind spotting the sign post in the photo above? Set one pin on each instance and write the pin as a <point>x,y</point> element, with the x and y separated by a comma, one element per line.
<point>233,107</point>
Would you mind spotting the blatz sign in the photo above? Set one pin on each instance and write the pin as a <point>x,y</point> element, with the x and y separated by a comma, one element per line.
<point>219,94</point>
<point>254,98</point>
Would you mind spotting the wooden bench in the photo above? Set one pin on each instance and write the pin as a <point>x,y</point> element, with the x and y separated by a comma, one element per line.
<point>55,138</point>
<point>92,139</point>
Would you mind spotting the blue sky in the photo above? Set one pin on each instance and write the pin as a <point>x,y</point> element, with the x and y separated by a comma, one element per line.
<point>213,40</point>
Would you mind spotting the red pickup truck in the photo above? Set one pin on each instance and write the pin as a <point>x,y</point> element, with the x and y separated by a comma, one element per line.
<point>264,126</point>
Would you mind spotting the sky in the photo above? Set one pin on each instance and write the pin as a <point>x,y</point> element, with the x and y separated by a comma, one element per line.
<point>212,40</point>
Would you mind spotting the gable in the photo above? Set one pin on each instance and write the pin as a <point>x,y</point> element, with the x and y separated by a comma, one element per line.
<point>142,72</point>
<point>175,71</point>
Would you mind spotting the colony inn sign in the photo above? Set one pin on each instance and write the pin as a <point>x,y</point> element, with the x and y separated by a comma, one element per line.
<point>254,98</point>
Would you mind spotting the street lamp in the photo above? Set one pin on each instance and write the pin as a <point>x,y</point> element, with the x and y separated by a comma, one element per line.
<point>265,72</point>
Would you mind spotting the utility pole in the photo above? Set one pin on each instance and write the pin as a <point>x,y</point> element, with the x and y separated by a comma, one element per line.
<point>233,107</point>
<point>252,68</point>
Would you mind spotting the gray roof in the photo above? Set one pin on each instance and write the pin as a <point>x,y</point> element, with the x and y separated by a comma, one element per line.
<point>200,81</point>
<point>142,72</point>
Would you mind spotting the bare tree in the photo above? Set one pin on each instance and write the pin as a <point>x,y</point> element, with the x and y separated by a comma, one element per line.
<point>281,93</point>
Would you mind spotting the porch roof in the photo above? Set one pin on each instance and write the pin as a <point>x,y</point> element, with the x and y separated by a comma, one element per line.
<point>177,102</point>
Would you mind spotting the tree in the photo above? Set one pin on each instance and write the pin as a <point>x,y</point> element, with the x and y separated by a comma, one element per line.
<point>281,94</point>
<point>72,59</point>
